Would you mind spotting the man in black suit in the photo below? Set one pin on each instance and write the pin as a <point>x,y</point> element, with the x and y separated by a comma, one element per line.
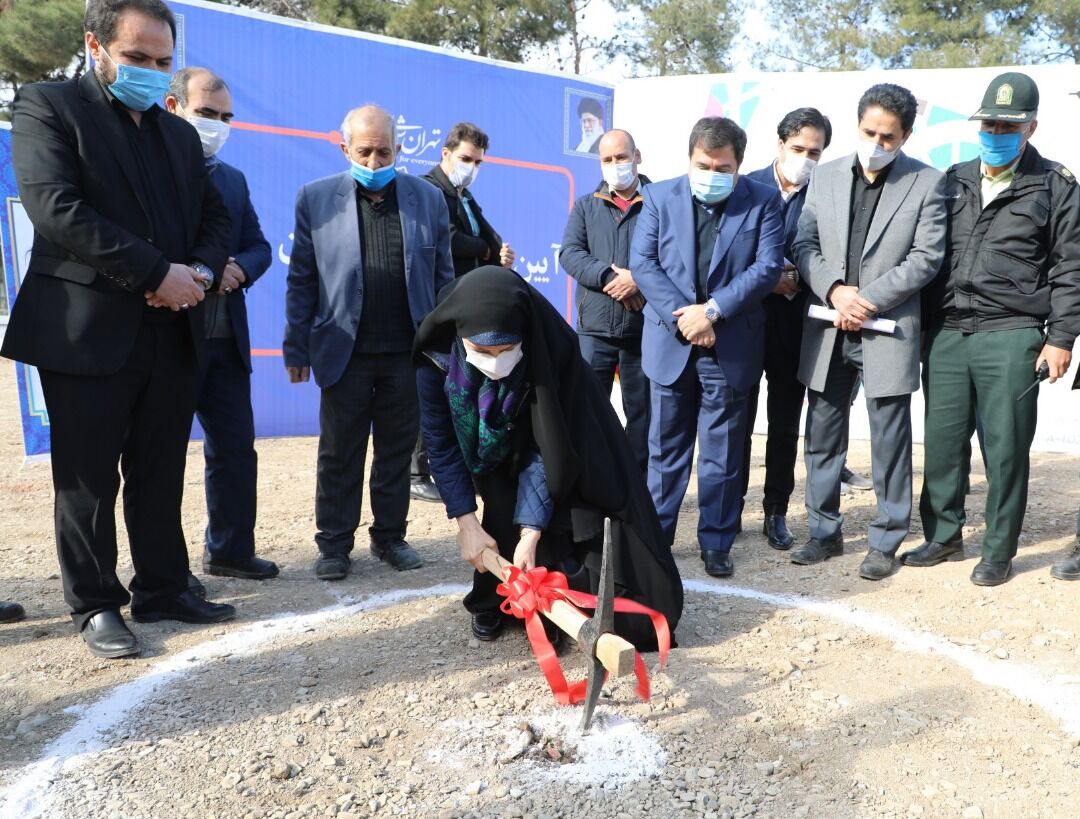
<point>803,135</point>
<point>128,234</point>
<point>473,243</point>
<point>224,408</point>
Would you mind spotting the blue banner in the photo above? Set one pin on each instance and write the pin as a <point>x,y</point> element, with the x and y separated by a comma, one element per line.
<point>292,84</point>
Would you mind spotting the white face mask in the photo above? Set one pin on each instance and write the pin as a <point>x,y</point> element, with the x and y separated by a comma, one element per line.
<point>872,156</point>
<point>463,174</point>
<point>495,366</point>
<point>212,133</point>
<point>619,176</point>
<point>796,168</point>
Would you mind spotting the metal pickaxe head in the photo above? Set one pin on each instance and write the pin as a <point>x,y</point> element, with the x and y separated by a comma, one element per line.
<point>602,622</point>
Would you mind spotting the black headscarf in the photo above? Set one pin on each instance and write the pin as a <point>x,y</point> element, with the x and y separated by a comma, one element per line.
<point>587,457</point>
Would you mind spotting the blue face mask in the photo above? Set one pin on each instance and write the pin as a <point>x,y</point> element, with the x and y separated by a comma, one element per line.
<point>373,180</point>
<point>711,186</point>
<point>999,150</point>
<point>137,88</point>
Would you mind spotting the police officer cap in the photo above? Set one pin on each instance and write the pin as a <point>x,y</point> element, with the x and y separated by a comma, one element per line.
<point>1010,97</point>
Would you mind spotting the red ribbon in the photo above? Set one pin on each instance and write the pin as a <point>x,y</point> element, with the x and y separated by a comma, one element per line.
<point>530,593</point>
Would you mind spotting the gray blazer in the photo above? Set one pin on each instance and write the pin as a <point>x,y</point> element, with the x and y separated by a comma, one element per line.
<point>904,249</point>
<point>324,294</point>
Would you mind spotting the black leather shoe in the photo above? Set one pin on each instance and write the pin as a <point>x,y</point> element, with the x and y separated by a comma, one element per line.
<point>991,573</point>
<point>776,531</point>
<point>250,568</point>
<point>11,612</point>
<point>931,553</point>
<point>332,567</point>
<point>817,551</point>
<point>107,635</point>
<point>1067,569</point>
<point>195,586</point>
<point>877,565</point>
<point>398,554</point>
<point>487,625</point>
<point>717,563</point>
<point>425,489</point>
<point>185,608</point>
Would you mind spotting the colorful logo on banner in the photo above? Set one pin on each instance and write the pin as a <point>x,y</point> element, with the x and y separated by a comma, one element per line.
<point>737,100</point>
<point>949,131</point>
<point>944,121</point>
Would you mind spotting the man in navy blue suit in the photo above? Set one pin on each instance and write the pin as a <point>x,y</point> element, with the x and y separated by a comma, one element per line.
<point>708,247</point>
<point>224,403</point>
<point>803,134</point>
<point>370,251</point>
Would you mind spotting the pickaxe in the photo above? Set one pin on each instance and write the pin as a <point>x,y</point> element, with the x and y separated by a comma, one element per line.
<point>595,635</point>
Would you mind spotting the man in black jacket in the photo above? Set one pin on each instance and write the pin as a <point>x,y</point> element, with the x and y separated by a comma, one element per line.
<point>473,243</point>
<point>224,404</point>
<point>1007,302</point>
<point>128,234</point>
<point>803,135</point>
<point>596,251</point>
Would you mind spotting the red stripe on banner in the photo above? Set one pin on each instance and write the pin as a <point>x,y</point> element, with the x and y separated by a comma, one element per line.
<point>334,137</point>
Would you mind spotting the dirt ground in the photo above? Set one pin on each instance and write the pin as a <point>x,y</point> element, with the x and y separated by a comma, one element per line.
<point>795,691</point>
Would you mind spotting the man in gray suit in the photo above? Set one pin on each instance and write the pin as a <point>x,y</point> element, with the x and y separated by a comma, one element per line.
<point>371,250</point>
<point>871,235</point>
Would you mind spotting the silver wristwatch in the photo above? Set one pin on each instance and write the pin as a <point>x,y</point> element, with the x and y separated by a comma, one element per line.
<point>205,273</point>
<point>712,312</point>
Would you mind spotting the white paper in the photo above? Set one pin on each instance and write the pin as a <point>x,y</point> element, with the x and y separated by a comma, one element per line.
<point>879,325</point>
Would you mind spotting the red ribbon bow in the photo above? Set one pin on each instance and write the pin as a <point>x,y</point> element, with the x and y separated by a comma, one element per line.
<point>530,593</point>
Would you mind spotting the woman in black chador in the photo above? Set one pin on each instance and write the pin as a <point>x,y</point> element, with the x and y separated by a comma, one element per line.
<point>510,411</point>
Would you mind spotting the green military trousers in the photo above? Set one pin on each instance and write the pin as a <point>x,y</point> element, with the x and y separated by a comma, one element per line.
<point>980,373</point>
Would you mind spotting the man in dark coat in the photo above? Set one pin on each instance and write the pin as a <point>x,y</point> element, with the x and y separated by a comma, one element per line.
<point>1006,302</point>
<point>128,235</point>
<point>596,252</point>
<point>803,135</point>
<point>224,408</point>
<point>473,242</point>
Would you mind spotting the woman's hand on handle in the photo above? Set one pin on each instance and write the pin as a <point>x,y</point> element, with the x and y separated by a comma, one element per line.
<point>473,540</point>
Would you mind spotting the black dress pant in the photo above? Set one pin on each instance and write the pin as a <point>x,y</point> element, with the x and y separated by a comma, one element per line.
<point>375,395</point>
<point>498,489</point>
<point>783,339</point>
<point>138,419</point>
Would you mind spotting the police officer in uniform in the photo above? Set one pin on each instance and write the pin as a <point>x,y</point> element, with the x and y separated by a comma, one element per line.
<point>1007,301</point>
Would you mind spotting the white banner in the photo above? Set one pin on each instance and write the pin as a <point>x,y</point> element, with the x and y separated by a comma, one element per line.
<point>660,111</point>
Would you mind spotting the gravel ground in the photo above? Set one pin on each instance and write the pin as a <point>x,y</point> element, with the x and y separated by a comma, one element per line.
<point>795,692</point>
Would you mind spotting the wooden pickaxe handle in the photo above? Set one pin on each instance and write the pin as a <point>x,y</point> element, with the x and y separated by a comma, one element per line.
<point>615,653</point>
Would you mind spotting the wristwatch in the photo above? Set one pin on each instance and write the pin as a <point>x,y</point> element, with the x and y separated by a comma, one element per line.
<point>205,273</point>
<point>712,312</point>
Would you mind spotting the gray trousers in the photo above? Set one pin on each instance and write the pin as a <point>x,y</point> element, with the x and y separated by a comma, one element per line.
<point>826,444</point>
